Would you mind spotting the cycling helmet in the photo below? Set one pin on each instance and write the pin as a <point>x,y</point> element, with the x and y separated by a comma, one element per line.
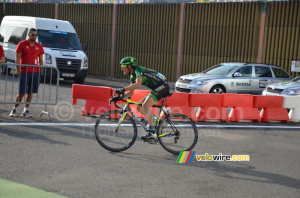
<point>128,61</point>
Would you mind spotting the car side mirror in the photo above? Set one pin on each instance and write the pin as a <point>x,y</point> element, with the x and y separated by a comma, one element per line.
<point>84,47</point>
<point>237,74</point>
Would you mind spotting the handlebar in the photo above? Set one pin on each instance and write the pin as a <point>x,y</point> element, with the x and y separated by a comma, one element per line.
<point>116,99</point>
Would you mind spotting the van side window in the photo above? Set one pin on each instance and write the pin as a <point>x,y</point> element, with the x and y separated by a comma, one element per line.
<point>18,35</point>
<point>6,33</point>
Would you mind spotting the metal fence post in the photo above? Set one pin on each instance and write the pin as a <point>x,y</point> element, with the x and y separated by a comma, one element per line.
<point>3,8</point>
<point>180,39</point>
<point>261,32</point>
<point>56,11</point>
<point>112,61</point>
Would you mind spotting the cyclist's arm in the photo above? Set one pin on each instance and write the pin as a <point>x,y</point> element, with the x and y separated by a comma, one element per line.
<point>135,85</point>
<point>130,93</point>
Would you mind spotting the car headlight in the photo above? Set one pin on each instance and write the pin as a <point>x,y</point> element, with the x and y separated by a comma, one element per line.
<point>85,62</point>
<point>200,82</point>
<point>292,91</point>
<point>48,59</point>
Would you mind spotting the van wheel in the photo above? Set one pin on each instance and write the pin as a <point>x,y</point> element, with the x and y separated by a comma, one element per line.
<point>217,89</point>
<point>79,80</point>
<point>4,68</point>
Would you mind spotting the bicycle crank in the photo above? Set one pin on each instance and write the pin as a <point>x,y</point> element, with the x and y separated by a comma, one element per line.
<point>151,140</point>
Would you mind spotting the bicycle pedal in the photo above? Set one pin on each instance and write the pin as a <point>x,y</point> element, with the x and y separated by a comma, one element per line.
<point>152,140</point>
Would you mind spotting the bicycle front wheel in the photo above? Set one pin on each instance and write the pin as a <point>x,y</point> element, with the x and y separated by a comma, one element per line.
<point>177,133</point>
<point>113,133</point>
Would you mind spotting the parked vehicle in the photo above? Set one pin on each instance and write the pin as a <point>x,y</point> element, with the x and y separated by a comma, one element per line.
<point>58,38</point>
<point>232,77</point>
<point>288,88</point>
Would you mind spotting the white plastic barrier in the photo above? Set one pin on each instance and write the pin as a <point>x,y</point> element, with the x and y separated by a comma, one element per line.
<point>293,103</point>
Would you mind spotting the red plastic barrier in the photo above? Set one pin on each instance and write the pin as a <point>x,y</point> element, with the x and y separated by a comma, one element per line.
<point>87,92</point>
<point>96,98</point>
<point>242,107</point>
<point>272,108</point>
<point>179,103</point>
<point>210,107</point>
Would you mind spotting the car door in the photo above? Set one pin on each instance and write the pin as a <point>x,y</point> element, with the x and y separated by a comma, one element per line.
<point>262,77</point>
<point>243,83</point>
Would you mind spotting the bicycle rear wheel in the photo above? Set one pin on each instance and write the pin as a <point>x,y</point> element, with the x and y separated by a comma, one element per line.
<point>178,133</point>
<point>112,137</point>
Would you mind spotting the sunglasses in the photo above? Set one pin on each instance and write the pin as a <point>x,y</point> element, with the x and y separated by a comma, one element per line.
<point>33,34</point>
<point>123,66</point>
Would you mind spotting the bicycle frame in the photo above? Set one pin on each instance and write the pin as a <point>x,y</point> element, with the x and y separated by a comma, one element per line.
<point>162,111</point>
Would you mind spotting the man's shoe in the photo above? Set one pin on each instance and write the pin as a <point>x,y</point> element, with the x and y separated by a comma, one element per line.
<point>26,114</point>
<point>13,113</point>
<point>148,136</point>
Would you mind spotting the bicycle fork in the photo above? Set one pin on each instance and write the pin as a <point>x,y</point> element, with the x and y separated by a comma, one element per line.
<point>121,120</point>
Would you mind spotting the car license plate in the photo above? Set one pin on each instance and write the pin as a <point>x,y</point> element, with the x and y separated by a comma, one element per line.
<point>67,75</point>
<point>182,85</point>
<point>66,53</point>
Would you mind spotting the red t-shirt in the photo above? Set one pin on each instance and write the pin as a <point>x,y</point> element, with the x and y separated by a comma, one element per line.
<point>30,55</point>
<point>1,52</point>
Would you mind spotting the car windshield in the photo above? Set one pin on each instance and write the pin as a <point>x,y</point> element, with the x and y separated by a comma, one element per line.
<point>60,40</point>
<point>222,69</point>
<point>297,79</point>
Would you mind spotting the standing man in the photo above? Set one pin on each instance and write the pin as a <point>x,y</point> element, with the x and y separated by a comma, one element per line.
<point>2,56</point>
<point>28,52</point>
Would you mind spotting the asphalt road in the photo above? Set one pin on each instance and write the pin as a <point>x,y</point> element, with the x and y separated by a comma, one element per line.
<point>68,161</point>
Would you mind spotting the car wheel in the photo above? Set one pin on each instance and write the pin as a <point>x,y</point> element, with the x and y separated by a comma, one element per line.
<point>79,80</point>
<point>217,89</point>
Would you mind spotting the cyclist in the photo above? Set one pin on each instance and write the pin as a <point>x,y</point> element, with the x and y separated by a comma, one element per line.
<point>152,79</point>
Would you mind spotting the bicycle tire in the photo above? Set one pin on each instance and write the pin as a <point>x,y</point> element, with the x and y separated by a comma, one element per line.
<point>111,140</point>
<point>188,134</point>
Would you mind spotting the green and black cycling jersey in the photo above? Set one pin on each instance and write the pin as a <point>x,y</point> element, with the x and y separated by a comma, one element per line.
<point>153,80</point>
<point>150,77</point>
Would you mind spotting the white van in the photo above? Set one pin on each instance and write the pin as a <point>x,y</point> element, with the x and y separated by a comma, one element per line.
<point>58,38</point>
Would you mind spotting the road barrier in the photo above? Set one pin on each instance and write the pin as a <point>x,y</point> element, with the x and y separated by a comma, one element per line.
<point>179,103</point>
<point>96,99</point>
<point>292,103</point>
<point>210,106</point>
<point>47,90</point>
<point>242,107</point>
<point>272,108</point>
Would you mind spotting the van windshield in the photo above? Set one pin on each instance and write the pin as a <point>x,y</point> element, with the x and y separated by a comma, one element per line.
<point>57,39</point>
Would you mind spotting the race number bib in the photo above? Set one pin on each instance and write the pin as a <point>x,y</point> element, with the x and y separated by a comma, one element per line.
<point>161,76</point>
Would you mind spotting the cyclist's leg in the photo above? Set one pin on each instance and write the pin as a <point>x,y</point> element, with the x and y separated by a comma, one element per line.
<point>158,93</point>
<point>140,108</point>
<point>148,103</point>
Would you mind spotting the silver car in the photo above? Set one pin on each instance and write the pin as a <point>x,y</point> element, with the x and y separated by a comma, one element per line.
<point>232,77</point>
<point>289,88</point>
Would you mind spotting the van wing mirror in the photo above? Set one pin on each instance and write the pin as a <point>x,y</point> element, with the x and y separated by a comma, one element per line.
<point>84,47</point>
<point>237,74</point>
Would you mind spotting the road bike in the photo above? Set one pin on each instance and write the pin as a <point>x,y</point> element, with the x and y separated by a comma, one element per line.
<point>116,130</point>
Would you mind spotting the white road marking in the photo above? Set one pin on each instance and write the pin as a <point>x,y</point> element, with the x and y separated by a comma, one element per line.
<point>182,125</point>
